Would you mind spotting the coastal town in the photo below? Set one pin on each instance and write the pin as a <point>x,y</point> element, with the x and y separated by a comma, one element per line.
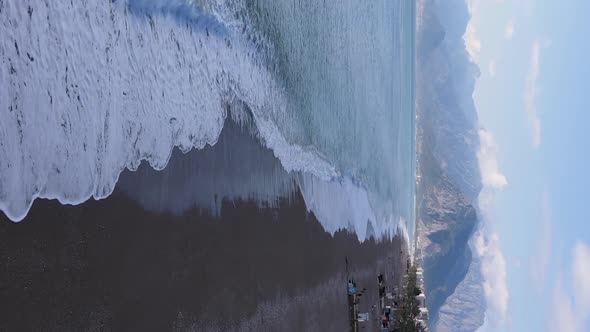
<point>400,308</point>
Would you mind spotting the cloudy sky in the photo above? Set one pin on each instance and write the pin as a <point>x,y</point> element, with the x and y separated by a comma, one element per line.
<point>533,104</point>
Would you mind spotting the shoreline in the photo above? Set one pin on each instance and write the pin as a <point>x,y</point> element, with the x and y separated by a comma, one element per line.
<point>112,264</point>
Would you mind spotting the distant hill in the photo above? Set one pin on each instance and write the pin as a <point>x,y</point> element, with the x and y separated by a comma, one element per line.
<point>449,181</point>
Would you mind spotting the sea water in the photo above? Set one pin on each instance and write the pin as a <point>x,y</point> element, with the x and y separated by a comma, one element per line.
<point>91,88</point>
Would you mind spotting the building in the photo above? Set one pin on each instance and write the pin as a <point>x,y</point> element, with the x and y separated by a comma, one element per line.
<point>421,300</point>
<point>423,314</point>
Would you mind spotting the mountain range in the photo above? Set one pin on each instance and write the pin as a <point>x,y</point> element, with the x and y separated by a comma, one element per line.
<point>448,175</point>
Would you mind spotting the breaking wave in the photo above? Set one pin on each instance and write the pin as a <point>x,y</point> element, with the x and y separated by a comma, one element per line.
<point>92,88</point>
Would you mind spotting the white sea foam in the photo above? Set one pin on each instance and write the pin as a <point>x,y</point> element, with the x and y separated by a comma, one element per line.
<point>90,90</point>
<point>340,202</point>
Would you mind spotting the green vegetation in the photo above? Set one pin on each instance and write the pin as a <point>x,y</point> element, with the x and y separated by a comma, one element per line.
<point>409,307</point>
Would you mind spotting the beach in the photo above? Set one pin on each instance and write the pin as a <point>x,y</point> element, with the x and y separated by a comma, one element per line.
<point>112,265</point>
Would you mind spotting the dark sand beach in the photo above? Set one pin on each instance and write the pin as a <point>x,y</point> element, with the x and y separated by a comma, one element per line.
<point>111,265</point>
<point>148,259</point>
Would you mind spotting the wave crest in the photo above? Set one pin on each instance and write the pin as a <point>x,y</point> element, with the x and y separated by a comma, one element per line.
<point>93,90</point>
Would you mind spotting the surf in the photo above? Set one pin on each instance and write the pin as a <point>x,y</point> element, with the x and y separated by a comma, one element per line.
<point>93,90</point>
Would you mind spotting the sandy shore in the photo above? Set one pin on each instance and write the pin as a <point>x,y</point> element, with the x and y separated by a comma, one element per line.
<point>124,263</point>
<point>112,265</point>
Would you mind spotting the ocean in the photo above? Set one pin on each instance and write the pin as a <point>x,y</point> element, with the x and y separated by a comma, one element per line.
<point>93,88</point>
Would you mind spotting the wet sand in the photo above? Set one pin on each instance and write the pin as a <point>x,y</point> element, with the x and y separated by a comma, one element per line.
<point>147,259</point>
<point>111,265</point>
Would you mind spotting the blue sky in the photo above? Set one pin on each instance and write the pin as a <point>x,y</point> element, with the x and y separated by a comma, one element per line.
<point>533,105</point>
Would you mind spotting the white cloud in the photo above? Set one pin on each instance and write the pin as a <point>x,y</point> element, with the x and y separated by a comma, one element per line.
<point>472,44</point>
<point>570,312</point>
<point>563,316</point>
<point>492,68</point>
<point>486,242</point>
<point>539,263</point>
<point>493,269</point>
<point>531,93</point>
<point>509,30</point>
<point>487,157</point>
<point>471,4</point>
<point>581,275</point>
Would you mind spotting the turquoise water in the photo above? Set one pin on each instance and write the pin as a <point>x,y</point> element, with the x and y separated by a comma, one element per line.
<point>348,68</point>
